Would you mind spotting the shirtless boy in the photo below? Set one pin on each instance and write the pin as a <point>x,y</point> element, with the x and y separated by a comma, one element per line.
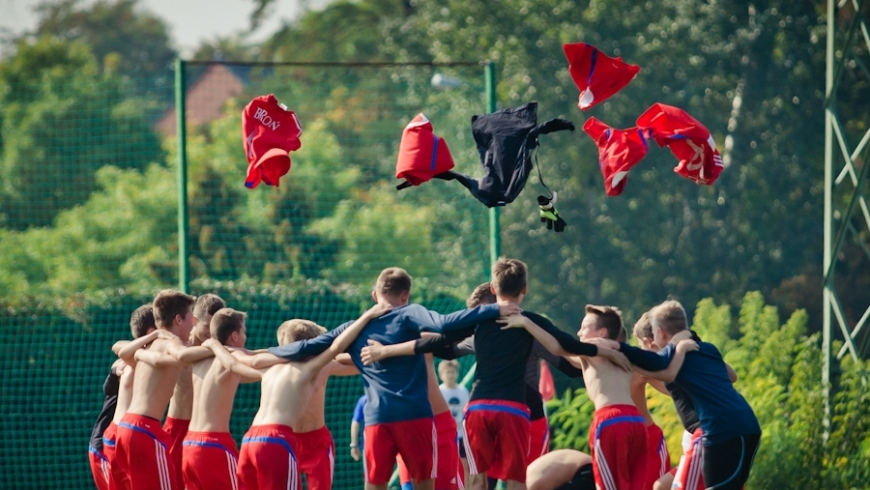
<point>181,404</point>
<point>268,458</point>
<point>313,443</point>
<point>210,453</point>
<point>618,431</point>
<point>141,447</point>
<point>118,389</point>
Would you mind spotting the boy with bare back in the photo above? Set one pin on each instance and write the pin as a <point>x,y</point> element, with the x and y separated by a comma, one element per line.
<point>118,389</point>
<point>313,443</point>
<point>177,420</point>
<point>618,431</point>
<point>268,458</point>
<point>210,453</point>
<point>398,415</point>
<point>141,446</point>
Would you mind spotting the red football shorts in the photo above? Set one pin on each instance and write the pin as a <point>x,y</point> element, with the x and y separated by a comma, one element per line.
<point>619,448</point>
<point>141,459</point>
<point>99,468</point>
<point>414,439</point>
<point>268,460</point>
<point>315,452</point>
<point>497,438</point>
<point>449,474</point>
<point>177,430</point>
<point>539,439</point>
<point>658,460</point>
<point>210,461</point>
<point>689,475</point>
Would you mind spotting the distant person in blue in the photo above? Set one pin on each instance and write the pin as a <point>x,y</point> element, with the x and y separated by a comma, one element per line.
<point>356,438</point>
<point>731,430</point>
<point>398,416</point>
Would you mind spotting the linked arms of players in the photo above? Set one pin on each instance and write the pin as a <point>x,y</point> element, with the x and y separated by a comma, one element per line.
<point>559,342</point>
<point>230,362</point>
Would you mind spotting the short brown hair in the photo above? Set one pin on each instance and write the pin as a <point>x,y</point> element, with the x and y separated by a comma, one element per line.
<point>671,316</point>
<point>207,305</point>
<point>224,322</point>
<point>296,329</point>
<point>643,327</point>
<point>142,320</point>
<point>509,277</point>
<point>482,295</point>
<point>452,363</point>
<point>609,317</point>
<point>167,304</point>
<point>393,281</point>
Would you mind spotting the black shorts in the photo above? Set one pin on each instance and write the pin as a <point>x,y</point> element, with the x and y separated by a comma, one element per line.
<point>727,464</point>
<point>582,480</point>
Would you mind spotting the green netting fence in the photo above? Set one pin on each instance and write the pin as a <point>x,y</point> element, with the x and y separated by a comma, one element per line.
<point>89,228</point>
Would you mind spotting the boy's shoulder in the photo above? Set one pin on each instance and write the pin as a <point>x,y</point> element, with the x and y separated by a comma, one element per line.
<point>709,349</point>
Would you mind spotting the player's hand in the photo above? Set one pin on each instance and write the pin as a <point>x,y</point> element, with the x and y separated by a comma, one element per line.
<point>210,343</point>
<point>602,342</point>
<point>616,357</point>
<point>374,352</point>
<point>377,311</point>
<point>354,453</point>
<point>687,345</point>
<point>685,334</point>
<point>512,321</point>
<point>508,308</point>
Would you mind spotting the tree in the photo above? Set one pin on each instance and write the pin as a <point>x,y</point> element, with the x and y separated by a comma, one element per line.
<point>62,120</point>
<point>123,236</point>
<point>123,37</point>
<point>756,228</point>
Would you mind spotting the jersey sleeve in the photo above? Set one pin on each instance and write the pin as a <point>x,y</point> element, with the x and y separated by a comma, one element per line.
<point>458,320</point>
<point>442,345</point>
<point>359,411</point>
<point>303,349</point>
<point>644,359</point>
<point>567,341</point>
<point>557,362</point>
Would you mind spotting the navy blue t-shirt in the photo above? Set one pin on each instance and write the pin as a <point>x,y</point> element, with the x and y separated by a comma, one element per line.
<point>722,411</point>
<point>396,388</point>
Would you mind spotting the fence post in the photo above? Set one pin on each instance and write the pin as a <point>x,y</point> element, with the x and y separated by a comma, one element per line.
<point>181,134</point>
<point>494,221</point>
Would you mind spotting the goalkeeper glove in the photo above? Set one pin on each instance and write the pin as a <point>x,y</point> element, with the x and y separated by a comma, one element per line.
<point>549,214</point>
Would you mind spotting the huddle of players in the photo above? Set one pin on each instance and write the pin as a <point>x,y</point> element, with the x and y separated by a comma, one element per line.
<point>197,380</point>
<point>406,415</point>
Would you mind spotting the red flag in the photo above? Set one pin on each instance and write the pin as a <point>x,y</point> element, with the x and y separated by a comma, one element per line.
<point>618,151</point>
<point>597,75</point>
<point>546,386</point>
<point>270,132</point>
<point>422,154</point>
<point>688,139</point>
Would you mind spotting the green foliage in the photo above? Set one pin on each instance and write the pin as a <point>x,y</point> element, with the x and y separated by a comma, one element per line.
<point>50,153</point>
<point>570,418</point>
<point>119,238</point>
<point>124,38</point>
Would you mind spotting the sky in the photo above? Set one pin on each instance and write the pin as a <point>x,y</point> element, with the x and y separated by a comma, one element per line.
<point>190,21</point>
